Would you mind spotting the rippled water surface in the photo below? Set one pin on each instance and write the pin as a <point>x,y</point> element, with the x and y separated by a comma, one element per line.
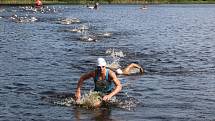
<point>42,57</point>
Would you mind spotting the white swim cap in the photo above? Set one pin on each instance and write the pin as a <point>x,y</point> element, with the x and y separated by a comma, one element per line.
<point>101,62</point>
<point>119,71</point>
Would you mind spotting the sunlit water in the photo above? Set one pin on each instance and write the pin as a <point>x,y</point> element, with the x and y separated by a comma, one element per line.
<point>43,53</point>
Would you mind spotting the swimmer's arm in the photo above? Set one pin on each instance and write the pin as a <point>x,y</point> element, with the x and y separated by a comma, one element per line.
<point>139,67</point>
<point>117,89</point>
<point>131,66</point>
<point>80,83</point>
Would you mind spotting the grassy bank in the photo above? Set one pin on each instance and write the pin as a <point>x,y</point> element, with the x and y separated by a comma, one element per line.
<point>30,2</point>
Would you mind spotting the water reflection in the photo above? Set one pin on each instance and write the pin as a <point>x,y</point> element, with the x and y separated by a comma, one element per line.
<point>103,114</point>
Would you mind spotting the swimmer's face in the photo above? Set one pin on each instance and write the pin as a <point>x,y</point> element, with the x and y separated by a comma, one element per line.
<point>101,68</point>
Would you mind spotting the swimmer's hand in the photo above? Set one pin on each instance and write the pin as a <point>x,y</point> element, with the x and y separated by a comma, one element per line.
<point>78,101</point>
<point>106,98</point>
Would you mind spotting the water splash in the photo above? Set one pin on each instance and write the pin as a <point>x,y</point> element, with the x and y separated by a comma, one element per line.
<point>88,38</point>
<point>45,9</point>
<point>66,102</point>
<point>83,27</point>
<point>125,100</point>
<point>68,21</point>
<point>115,56</point>
<point>89,100</point>
<point>114,53</point>
<point>93,100</point>
<point>105,34</point>
<point>129,104</point>
<point>23,19</point>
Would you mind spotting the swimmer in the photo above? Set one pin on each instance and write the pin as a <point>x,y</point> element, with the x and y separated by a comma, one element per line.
<point>68,21</point>
<point>38,3</point>
<point>88,38</point>
<point>130,69</point>
<point>93,7</point>
<point>105,81</point>
<point>96,5</point>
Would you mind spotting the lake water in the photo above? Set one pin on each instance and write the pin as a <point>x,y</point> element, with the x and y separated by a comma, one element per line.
<point>42,56</point>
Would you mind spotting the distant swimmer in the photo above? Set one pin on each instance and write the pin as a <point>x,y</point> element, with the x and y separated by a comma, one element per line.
<point>105,81</point>
<point>93,7</point>
<point>88,38</point>
<point>68,21</point>
<point>90,7</point>
<point>38,3</point>
<point>144,7</point>
<point>96,5</point>
<point>129,70</point>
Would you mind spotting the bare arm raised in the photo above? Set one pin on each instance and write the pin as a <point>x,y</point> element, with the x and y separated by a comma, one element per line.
<point>132,66</point>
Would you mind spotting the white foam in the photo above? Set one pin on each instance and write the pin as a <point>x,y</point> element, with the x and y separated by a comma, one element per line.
<point>115,56</point>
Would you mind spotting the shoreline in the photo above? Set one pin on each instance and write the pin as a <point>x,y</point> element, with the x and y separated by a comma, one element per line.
<point>8,3</point>
<point>104,4</point>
